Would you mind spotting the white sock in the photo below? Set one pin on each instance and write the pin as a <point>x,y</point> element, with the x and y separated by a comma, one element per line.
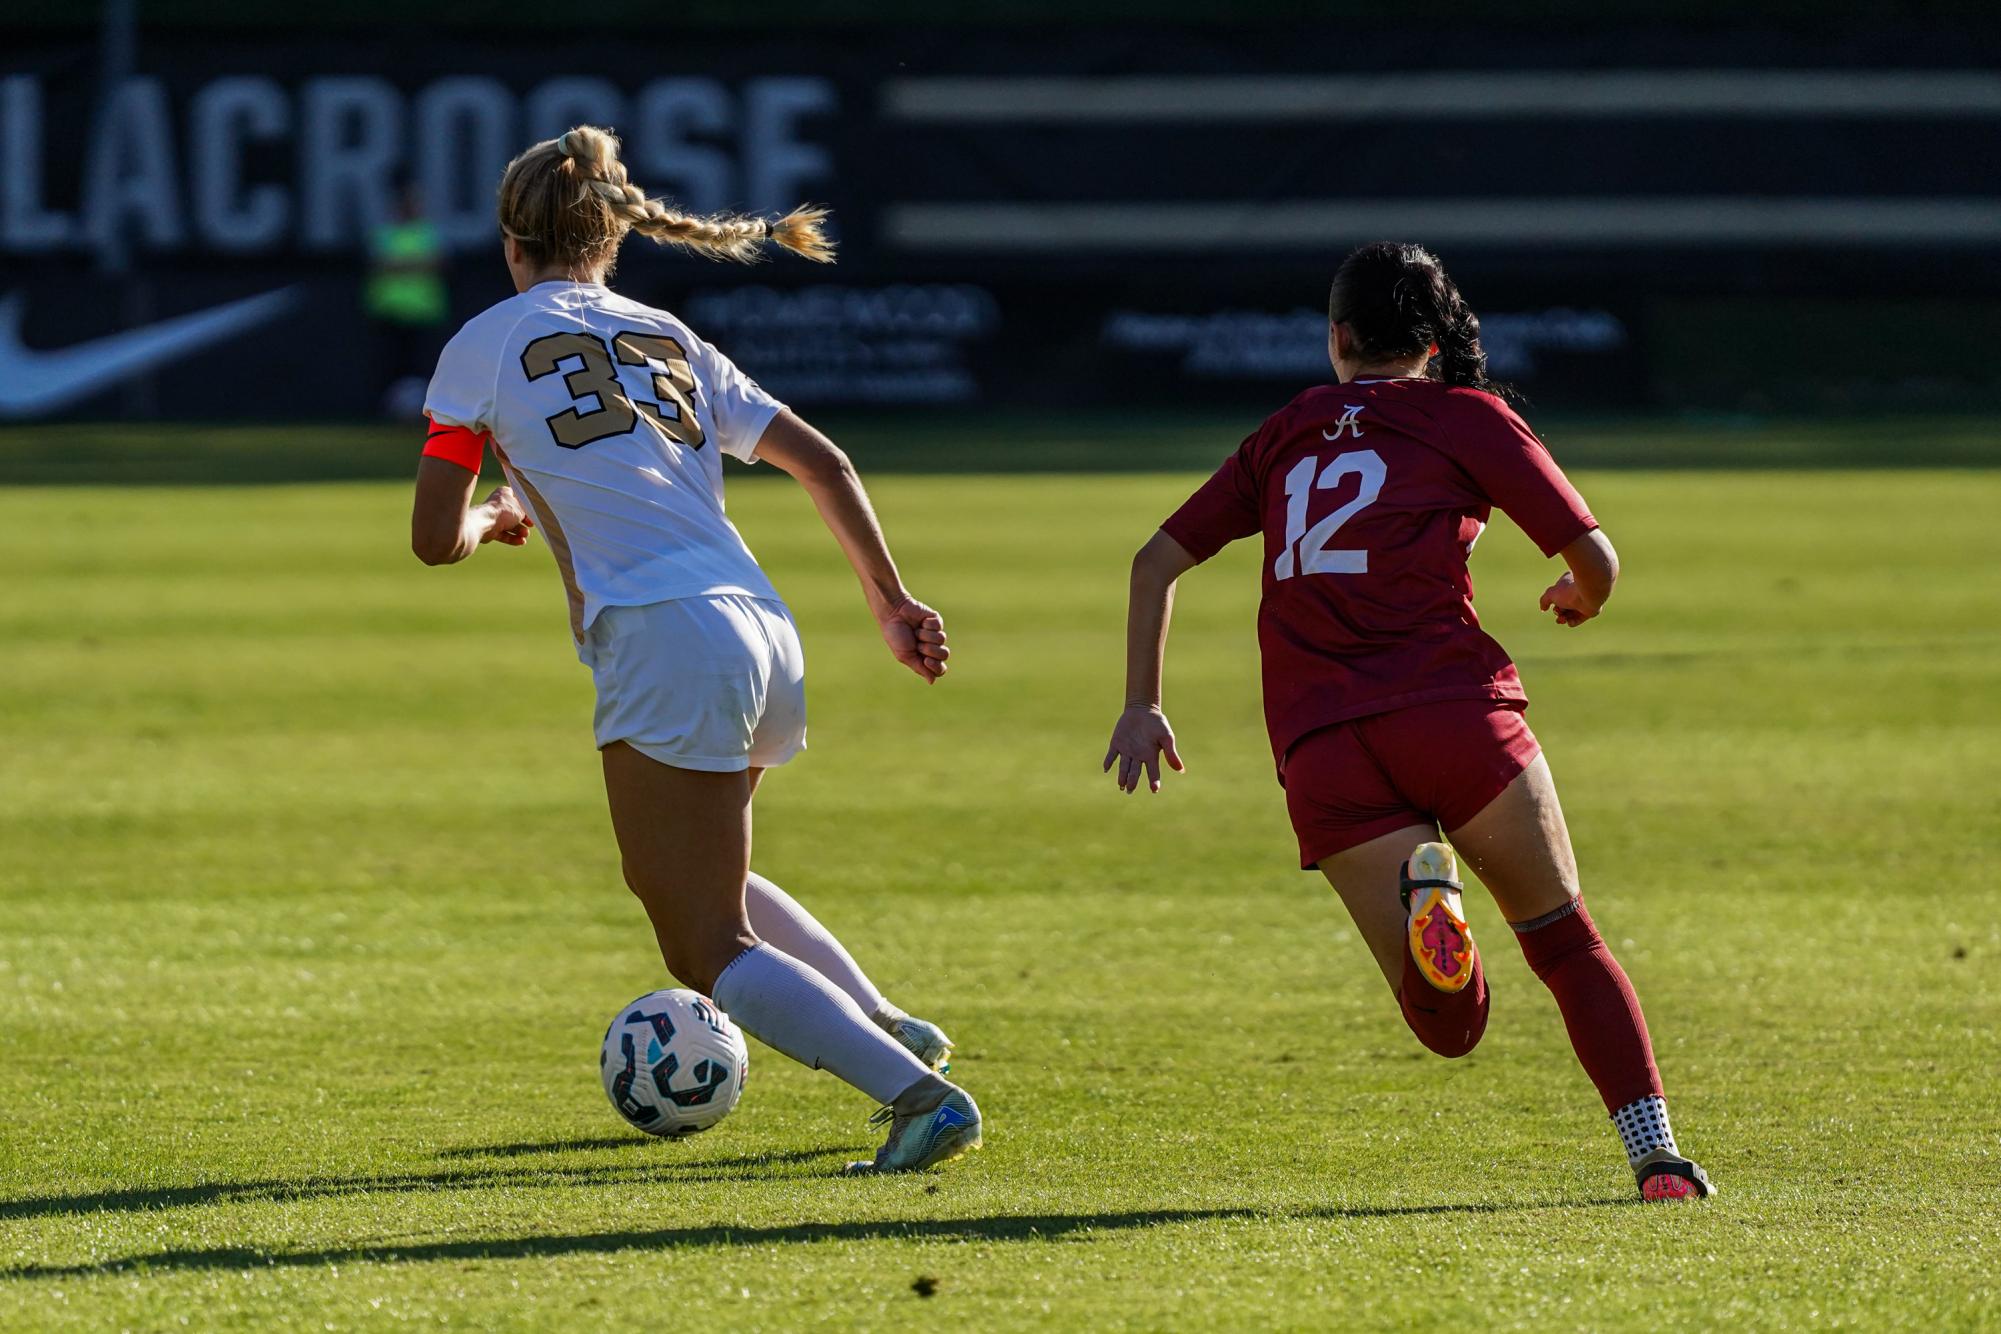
<point>787,1005</point>
<point>778,920</point>
<point>1643,1125</point>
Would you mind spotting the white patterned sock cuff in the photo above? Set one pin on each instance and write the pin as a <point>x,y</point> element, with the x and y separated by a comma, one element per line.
<point>1643,1126</point>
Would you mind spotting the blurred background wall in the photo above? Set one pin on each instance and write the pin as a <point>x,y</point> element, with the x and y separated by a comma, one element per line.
<point>1731,207</point>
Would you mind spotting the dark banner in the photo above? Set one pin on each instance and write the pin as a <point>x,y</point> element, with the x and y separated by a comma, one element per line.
<point>1025,219</point>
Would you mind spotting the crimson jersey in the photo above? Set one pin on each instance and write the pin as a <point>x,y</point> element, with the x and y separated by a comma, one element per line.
<point>1370,496</point>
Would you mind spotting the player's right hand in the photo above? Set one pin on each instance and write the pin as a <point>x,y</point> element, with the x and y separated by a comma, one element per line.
<point>507,520</point>
<point>1139,739</point>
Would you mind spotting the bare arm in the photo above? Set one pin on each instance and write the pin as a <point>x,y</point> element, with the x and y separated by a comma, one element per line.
<point>1142,733</point>
<point>445,527</point>
<point>1583,590</point>
<point>914,632</point>
<point>1149,607</point>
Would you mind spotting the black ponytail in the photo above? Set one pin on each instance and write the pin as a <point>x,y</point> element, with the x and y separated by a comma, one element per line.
<point>1397,301</point>
<point>1461,359</point>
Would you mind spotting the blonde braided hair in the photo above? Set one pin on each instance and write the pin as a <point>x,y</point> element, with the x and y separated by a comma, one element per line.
<point>569,200</point>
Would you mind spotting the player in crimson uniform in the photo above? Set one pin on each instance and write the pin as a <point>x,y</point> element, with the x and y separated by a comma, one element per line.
<point>1391,713</point>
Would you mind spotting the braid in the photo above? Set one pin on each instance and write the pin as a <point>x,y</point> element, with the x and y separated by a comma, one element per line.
<point>570,198</point>
<point>722,236</point>
<point>593,155</point>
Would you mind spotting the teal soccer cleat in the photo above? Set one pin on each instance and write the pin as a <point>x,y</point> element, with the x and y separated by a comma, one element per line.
<point>931,1123</point>
<point>926,1041</point>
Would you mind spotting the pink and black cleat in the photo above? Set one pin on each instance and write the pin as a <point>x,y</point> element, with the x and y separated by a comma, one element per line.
<point>1666,1175</point>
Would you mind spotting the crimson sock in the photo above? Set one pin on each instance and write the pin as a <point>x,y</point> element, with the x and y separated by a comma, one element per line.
<point>1448,1022</point>
<point>1607,1030</point>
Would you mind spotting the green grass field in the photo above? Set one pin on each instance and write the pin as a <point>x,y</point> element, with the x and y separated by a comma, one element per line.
<point>310,921</point>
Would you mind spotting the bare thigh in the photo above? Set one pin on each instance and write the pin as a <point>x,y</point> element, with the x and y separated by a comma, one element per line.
<point>684,837</point>
<point>1366,878</point>
<point>1519,846</point>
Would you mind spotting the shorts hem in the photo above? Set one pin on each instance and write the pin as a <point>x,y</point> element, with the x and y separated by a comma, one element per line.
<point>659,754</point>
<point>784,757</point>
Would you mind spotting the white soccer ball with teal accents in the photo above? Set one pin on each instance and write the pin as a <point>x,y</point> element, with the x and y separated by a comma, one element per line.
<point>673,1063</point>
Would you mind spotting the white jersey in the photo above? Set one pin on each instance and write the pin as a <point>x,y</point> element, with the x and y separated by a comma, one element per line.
<point>610,419</point>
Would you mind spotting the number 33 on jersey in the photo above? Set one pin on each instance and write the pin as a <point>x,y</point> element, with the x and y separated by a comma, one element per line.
<point>610,418</point>
<point>596,380</point>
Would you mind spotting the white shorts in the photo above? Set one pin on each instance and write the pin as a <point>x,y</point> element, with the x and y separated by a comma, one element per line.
<point>716,682</point>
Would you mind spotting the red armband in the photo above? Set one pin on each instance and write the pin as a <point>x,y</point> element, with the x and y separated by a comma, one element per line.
<point>456,444</point>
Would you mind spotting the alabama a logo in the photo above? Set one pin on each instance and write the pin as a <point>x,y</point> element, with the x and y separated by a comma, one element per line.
<point>1347,423</point>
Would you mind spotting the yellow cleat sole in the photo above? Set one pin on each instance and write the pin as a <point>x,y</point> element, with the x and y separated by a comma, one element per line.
<point>1441,945</point>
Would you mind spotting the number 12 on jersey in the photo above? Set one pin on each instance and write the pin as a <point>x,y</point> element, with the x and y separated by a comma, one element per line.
<point>1306,549</point>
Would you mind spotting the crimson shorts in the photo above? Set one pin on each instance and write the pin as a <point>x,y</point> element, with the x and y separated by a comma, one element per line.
<point>1431,763</point>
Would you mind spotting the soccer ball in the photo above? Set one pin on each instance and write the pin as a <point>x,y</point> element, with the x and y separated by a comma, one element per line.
<point>673,1063</point>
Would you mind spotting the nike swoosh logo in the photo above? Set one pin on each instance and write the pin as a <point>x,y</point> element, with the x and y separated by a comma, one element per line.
<point>33,382</point>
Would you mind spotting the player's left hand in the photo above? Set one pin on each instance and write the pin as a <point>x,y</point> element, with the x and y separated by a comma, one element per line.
<point>1567,600</point>
<point>1139,739</point>
<point>916,636</point>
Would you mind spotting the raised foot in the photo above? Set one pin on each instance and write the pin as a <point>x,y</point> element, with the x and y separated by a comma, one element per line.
<point>1441,944</point>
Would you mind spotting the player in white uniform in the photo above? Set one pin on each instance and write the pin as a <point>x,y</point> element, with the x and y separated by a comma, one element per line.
<point>610,419</point>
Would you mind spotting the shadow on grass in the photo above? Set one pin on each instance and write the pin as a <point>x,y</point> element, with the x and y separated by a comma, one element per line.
<point>1000,1228</point>
<point>743,1167</point>
<point>527,1148</point>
